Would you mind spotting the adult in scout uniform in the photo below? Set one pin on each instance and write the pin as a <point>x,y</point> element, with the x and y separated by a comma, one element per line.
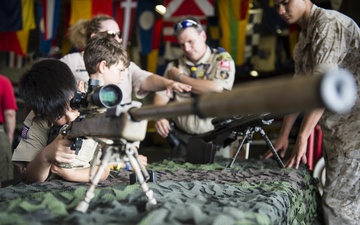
<point>206,69</point>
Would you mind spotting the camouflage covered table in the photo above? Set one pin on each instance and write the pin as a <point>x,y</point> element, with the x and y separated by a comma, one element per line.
<point>251,192</point>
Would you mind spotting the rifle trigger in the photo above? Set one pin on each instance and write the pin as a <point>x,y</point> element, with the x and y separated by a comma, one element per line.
<point>76,145</point>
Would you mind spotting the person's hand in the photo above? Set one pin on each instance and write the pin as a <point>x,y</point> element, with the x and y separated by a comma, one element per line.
<point>177,87</point>
<point>174,75</point>
<point>299,153</point>
<point>59,151</point>
<point>143,159</point>
<point>280,146</point>
<point>162,127</point>
<point>65,173</point>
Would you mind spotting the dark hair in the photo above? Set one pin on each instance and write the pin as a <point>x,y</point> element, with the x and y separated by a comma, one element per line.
<point>103,46</point>
<point>47,87</point>
<point>93,26</point>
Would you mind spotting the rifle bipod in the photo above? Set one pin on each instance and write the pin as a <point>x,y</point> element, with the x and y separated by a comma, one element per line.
<point>129,156</point>
<point>248,136</point>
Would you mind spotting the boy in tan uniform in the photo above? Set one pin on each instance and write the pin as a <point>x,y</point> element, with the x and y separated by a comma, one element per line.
<point>49,100</point>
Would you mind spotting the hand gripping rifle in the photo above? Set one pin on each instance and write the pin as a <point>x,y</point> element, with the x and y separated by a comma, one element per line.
<point>121,126</point>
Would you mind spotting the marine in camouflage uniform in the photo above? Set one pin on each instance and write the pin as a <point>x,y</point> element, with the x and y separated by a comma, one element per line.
<point>330,40</point>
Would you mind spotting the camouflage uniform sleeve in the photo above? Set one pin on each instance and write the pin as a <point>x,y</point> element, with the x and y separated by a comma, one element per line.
<point>327,46</point>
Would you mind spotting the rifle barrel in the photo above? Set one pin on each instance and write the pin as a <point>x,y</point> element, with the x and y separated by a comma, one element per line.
<point>334,91</point>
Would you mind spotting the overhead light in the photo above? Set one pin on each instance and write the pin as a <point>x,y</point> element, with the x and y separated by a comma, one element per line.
<point>161,9</point>
<point>254,73</point>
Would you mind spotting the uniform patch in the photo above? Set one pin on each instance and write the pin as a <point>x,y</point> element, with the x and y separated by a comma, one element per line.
<point>24,132</point>
<point>224,74</point>
<point>225,65</point>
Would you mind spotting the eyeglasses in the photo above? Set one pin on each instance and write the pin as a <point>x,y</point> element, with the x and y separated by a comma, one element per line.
<point>114,34</point>
<point>185,24</point>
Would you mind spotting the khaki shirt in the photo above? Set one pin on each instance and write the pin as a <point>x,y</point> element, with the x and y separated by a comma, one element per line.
<point>216,65</point>
<point>332,41</point>
<point>34,138</point>
<point>133,78</point>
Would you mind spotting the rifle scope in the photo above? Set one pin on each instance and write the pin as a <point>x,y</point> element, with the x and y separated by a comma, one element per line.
<point>107,96</point>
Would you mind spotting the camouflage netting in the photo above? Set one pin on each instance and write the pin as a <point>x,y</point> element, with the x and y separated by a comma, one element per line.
<point>251,192</point>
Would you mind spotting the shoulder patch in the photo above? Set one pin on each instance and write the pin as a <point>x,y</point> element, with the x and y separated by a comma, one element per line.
<point>223,56</point>
<point>225,65</point>
<point>224,75</point>
<point>24,132</point>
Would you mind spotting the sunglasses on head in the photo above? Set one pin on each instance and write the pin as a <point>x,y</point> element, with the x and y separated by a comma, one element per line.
<point>185,24</point>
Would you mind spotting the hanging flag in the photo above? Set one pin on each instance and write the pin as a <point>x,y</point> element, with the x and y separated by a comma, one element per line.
<point>10,15</point>
<point>17,42</point>
<point>51,9</point>
<point>101,7</point>
<point>252,38</point>
<point>80,9</point>
<point>10,42</point>
<point>153,56</point>
<point>233,32</point>
<point>213,28</point>
<point>179,8</point>
<point>149,33</point>
<point>124,14</point>
<point>87,9</point>
<point>44,44</point>
<point>66,45</point>
<point>240,8</point>
<point>146,15</point>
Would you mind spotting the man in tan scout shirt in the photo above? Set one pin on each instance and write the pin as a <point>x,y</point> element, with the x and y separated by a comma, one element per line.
<point>205,69</point>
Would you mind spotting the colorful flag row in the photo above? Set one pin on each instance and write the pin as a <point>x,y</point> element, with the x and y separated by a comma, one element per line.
<point>152,29</point>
